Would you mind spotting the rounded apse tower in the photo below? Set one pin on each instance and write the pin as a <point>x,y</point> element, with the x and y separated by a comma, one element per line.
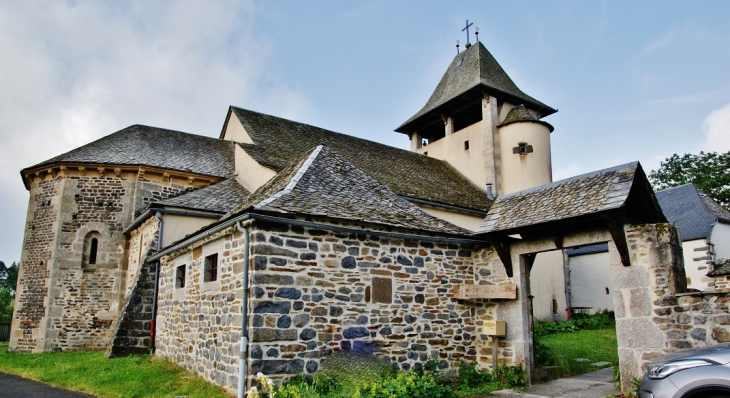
<point>525,149</point>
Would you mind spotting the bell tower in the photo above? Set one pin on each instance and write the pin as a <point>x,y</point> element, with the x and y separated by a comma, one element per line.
<point>480,122</point>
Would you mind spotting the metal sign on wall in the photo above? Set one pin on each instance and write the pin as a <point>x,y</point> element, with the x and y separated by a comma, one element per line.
<point>506,291</point>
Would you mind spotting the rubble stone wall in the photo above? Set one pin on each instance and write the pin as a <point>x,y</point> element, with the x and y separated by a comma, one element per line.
<point>34,272</point>
<point>654,315</point>
<point>66,300</point>
<point>315,292</point>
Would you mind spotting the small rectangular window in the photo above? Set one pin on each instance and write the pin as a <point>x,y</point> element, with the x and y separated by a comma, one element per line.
<point>180,276</point>
<point>210,271</point>
<point>466,145</point>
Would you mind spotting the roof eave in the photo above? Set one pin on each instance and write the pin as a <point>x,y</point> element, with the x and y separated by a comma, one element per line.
<point>407,126</point>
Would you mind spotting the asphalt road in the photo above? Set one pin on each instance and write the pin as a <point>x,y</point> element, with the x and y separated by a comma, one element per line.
<point>12,386</point>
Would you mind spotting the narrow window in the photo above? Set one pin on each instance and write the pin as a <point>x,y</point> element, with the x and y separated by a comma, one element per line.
<point>211,268</point>
<point>466,145</point>
<point>522,149</point>
<point>555,307</point>
<point>426,153</point>
<point>607,291</point>
<point>180,276</point>
<point>92,250</point>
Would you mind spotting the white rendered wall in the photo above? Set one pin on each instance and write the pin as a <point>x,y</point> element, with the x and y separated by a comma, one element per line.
<point>547,283</point>
<point>470,222</point>
<point>249,173</point>
<point>176,227</point>
<point>696,264</point>
<point>525,171</point>
<point>590,276</point>
<point>720,237</point>
<point>469,162</point>
<point>235,131</point>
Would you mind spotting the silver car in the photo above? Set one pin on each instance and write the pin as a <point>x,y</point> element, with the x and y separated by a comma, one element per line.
<point>697,373</point>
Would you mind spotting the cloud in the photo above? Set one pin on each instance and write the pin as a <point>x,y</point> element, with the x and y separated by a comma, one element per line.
<point>716,127</point>
<point>75,71</point>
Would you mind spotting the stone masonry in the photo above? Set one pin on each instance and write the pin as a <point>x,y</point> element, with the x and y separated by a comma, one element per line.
<point>654,316</point>
<point>64,302</point>
<point>314,292</point>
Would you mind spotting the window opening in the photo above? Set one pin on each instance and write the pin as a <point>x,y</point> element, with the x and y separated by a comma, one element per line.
<point>180,276</point>
<point>93,246</point>
<point>210,272</point>
<point>522,149</point>
<point>607,291</point>
<point>466,145</point>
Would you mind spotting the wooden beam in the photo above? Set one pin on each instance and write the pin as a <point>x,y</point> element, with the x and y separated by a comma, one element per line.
<point>619,238</point>
<point>503,252</point>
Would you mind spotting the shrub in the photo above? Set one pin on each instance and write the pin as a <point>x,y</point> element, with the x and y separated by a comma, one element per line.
<point>581,321</point>
<point>406,385</point>
<point>510,376</point>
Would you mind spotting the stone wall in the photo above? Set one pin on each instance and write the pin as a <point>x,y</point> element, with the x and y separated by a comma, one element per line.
<point>314,292</point>
<point>34,273</point>
<point>654,316</point>
<point>65,301</point>
<point>133,331</point>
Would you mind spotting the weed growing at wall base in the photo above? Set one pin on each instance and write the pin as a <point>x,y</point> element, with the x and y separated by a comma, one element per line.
<point>422,382</point>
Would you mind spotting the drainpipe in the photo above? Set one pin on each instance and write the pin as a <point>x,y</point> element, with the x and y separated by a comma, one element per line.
<point>242,226</point>
<point>157,280</point>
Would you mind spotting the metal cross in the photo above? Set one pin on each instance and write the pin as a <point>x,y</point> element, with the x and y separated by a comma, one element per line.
<point>467,29</point>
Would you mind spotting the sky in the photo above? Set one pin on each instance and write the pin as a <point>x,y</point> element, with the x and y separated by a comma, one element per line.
<point>632,80</point>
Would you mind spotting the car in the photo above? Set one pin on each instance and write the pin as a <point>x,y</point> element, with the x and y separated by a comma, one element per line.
<point>702,372</point>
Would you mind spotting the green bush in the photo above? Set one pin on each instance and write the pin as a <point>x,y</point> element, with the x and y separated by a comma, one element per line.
<point>510,376</point>
<point>405,385</point>
<point>581,321</point>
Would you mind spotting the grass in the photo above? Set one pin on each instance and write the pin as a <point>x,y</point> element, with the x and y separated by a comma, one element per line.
<point>597,345</point>
<point>92,373</point>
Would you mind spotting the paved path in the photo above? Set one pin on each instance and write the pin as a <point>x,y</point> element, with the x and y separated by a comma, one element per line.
<point>12,386</point>
<point>590,385</point>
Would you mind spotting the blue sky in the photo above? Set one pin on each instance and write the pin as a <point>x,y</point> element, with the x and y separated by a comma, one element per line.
<point>632,80</point>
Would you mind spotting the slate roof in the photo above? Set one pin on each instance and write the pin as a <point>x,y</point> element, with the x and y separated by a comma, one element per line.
<point>583,195</point>
<point>521,114</point>
<point>155,147</point>
<point>221,197</point>
<point>723,269</point>
<point>475,69</point>
<point>324,183</point>
<point>691,210</point>
<point>277,142</point>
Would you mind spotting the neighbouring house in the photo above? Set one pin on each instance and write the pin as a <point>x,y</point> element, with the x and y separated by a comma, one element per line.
<point>278,243</point>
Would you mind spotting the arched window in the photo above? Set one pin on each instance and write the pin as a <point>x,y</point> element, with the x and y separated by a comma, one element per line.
<point>92,250</point>
<point>90,255</point>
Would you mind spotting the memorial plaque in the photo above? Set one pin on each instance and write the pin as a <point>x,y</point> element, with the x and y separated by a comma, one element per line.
<point>470,292</point>
<point>382,290</point>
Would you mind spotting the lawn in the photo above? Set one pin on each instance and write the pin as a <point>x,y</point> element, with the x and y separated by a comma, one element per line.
<point>92,373</point>
<point>596,345</point>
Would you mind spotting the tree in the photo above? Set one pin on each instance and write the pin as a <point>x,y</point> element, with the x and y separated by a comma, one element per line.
<point>8,283</point>
<point>9,277</point>
<point>710,172</point>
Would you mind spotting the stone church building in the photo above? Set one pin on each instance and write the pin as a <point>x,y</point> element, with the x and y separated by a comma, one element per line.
<point>280,243</point>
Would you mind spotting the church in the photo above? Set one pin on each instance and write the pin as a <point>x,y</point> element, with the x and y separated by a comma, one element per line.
<point>279,243</point>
